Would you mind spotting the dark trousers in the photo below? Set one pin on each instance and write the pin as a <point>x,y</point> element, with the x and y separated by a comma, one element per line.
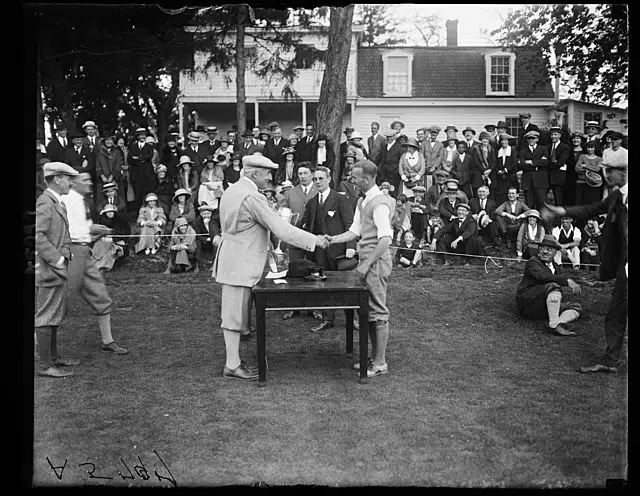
<point>469,246</point>
<point>507,228</point>
<point>616,321</point>
<point>488,233</point>
<point>204,249</point>
<point>535,198</point>
<point>558,194</point>
<point>417,225</point>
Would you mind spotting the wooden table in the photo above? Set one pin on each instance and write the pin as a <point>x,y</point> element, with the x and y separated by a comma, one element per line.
<point>341,290</point>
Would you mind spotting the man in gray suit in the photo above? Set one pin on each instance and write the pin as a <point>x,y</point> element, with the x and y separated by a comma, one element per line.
<point>246,220</point>
<point>432,151</point>
<point>53,252</point>
<point>375,143</point>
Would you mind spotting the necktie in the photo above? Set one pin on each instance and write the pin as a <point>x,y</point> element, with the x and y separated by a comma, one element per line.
<point>482,203</point>
<point>110,201</point>
<point>64,207</point>
<point>86,210</point>
<point>553,153</point>
<point>78,151</point>
<point>320,199</point>
<point>532,148</point>
<point>64,142</point>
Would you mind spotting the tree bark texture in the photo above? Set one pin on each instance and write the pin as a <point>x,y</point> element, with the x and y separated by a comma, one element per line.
<point>333,92</point>
<point>241,111</point>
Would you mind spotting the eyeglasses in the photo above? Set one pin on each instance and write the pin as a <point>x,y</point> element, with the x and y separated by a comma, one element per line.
<point>320,178</point>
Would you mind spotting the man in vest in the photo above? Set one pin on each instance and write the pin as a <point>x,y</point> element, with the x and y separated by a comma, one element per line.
<point>246,219</point>
<point>372,224</point>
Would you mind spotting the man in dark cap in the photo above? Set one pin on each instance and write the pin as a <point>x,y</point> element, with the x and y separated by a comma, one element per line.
<point>614,252</point>
<point>539,294</point>
<point>558,156</point>
<point>534,162</point>
<point>525,119</point>
<point>59,144</point>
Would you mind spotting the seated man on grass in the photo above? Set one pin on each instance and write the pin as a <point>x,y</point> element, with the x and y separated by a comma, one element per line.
<point>569,238</point>
<point>539,294</point>
<point>459,236</point>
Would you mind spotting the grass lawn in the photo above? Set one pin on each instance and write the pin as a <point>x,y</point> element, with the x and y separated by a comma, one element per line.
<point>475,397</point>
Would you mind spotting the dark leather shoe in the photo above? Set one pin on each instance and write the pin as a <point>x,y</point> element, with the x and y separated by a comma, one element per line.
<point>562,331</point>
<point>65,362</point>
<point>240,373</point>
<point>250,368</point>
<point>325,324</point>
<point>598,367</point>
<point>54,372</point>
<point>244,336</point>
<point>287,315</point>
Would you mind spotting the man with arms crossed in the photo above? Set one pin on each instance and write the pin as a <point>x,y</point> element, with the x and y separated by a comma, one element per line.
<point>372,224</point>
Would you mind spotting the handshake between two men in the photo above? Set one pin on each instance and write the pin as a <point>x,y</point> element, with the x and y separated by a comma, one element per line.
<point>324,240</point>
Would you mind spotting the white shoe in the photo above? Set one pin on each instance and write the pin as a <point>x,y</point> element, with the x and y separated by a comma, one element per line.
<point>147,251</point>
<point>356,366</point>
<point>375,370</point>
<point>154,251</point>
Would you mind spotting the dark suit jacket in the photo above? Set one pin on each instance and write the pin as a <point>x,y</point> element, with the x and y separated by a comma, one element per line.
<point>273,152</point>
<point>250,150</point>
<point>118,202</point>
<point>556,176</point>
<point>504,207</point>
<point>214,227</point>
<point>305,149</point>
<point>509,166</point>
<point>468,229</point>
<point>333,224</point>
<point>281,174</point>
<point>463,170</point>
<point>76,160</point>
<point>615,233</point>
<point>209,147</point>
<point>522,143</point>
<point>481,165</point>
<point>375,147</point>
<point>446,210</point>
<point>171,159</point>
<point>490,207</point>
<point>536,173</point>
<point>52,241</point>
<point>388,168</point>
<point>348,190</point>
<point>199,158</point>
<point>55,151</point>
<point>536,276</point>
<point>109,163</point>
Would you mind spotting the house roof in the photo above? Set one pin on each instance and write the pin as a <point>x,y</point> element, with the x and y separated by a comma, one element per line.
<point>453,72</point>
<point>562,103</point>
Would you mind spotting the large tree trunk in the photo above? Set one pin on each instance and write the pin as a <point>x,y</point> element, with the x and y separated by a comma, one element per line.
<point>241,111</point>
<point>333,92</point>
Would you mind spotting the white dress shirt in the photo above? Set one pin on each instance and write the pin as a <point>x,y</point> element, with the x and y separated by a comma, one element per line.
<point>322,155</point>
<point>79,225</point>
<point>380,216</point>
<point>322,197</point>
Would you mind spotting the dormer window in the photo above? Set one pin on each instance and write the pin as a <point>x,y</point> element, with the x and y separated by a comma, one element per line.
<point>397,70</point>
<point>500,73</point>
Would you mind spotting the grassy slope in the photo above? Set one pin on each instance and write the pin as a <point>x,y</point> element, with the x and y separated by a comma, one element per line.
<point>476,396</point>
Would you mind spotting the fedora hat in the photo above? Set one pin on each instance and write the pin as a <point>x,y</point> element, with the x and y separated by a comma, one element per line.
<point>550,241</point>
<point>247,133</point>
<point>108,208</point>
<point>180,191</point>
<point>412,142</point>
<point>75,135</point>
<point>533,213</point>
<point>490,127</point>
<point>502,124</point>
<point>150,196</point>
<point>397,122</point>
<point>212,129</point>
<point>450,126</point>
<point>469,128</point>
<point>59,126</point>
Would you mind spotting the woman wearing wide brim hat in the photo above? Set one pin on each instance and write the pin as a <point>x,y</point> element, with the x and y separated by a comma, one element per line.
<point>531,233</point>
<point>181,206</point>
<point>108,250</point>
<point>287,167</point>
<point>186,178</point>
<point>182,248</point>
<point>151,219</point>
<point>411,167</point>
<point>397,126</point>
<point>212,180</point>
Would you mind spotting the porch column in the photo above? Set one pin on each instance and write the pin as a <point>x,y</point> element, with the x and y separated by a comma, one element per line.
<point>181,118</point>
<point>353,114</point>
<point>304,114</point>
<point>256,113</point>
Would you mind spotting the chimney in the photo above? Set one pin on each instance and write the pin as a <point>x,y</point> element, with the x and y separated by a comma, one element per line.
<point>452,33</point>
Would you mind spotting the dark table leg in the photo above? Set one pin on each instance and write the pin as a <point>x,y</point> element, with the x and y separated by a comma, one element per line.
<point>261,340</point>
<point>363,313</point>
<point>349,315</point>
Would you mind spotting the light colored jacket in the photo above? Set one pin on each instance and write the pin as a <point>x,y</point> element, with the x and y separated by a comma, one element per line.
<point>246,220</point>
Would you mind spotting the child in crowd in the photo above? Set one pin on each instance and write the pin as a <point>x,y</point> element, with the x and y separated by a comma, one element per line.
<point>420,213</point>
<point>402,218</point>
<point>151,218</point>
<point>408,253</point>
<point>434,224</point>
<point>386,187</point>
<point>590,244</point>
<point>182,249</point>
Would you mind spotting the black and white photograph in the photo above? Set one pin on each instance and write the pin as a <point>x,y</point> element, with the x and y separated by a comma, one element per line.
<point>350,245</point>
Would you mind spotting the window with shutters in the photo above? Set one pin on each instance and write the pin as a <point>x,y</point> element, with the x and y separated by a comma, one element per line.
<point>397,71</point>
<point>500,73</point>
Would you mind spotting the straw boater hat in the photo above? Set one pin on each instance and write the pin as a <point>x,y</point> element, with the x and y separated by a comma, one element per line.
<point>108,208</point>
<point>463,205</point>
<point>593,179</point>
<point>109,186</point>
<point>593,124</point>
<point>212,129</point>
<point>555,129</point>
<point>299,127</point>
<point>441,172</point>
<point>286,185</point>
<point>149,197</point>
<point>89,124</point>
<point>419,189</point>
<point>179,192</point>
<point>193,135</point>
<point>141,130</point>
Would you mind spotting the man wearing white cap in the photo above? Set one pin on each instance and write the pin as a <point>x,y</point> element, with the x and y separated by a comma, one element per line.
<point>53,252</point>
<point>246,220</point>
<point>92,140</point>
<point>593,128</point>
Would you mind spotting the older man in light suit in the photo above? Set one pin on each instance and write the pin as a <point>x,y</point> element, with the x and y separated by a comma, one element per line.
<point>53,253</point>
<point>432,151</point>
<point>246,220</point>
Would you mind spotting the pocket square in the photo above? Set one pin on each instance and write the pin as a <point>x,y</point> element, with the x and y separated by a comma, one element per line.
<point>331,213</point>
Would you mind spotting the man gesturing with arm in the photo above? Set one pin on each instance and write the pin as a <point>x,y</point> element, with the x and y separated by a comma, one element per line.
<point>372,224</point>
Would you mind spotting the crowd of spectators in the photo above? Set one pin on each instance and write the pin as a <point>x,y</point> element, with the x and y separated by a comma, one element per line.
<point>457,195</point>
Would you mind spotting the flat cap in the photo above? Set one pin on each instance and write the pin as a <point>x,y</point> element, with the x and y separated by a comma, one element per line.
<point>389,133</point>
<point>419,189</point>
<point>441,172</point>
<point>525,114</point>
<point>464,205</point>
<point>434,129</point>
<point>532,134</point>
<point>622,165</point>
<point>56,168</point>
<point>299,127</point>
<point>258,161</point>
<point>550,241</point>
<point>615,135</point>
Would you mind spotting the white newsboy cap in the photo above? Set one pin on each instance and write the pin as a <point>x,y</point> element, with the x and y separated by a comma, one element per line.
<point>55,168</point>
<point>258,161</point>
